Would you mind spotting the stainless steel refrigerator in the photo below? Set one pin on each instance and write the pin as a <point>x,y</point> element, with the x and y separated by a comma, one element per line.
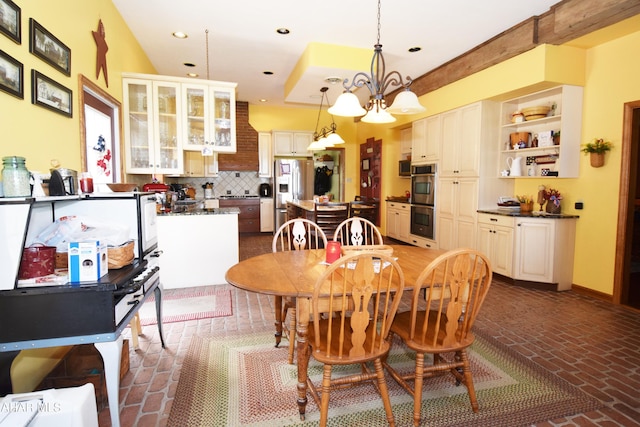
<point>293,180</point>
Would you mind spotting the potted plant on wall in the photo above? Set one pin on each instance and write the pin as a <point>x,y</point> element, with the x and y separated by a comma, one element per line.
<point>596,150</point>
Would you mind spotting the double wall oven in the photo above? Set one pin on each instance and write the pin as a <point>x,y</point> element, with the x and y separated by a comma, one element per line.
<point>423,190</point>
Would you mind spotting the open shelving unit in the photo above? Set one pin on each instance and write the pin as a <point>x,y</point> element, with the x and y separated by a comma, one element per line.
<point>560,158</point>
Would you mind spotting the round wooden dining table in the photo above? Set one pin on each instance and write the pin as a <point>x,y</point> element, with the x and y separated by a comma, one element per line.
<point>294,274</point>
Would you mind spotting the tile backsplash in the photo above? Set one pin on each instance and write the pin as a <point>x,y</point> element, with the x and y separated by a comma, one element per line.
<point>234,183</point>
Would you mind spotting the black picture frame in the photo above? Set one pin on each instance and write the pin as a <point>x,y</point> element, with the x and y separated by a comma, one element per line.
<point>11,75</point>
<point>50,94</point>
<point>10,20</point>
<point>47,47</point>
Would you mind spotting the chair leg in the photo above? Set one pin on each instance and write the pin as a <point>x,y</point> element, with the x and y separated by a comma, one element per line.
<point>292,333</point>
<point>384,392</point>
<point>417,389</point>
<point>468,380</point>
<point>278,322</point>
<point>324,397</point>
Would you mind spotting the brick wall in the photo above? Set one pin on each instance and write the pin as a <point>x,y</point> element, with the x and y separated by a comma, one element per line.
<point>246,157</point>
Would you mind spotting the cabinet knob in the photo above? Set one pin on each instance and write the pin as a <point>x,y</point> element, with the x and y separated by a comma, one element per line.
<point>494,219</point>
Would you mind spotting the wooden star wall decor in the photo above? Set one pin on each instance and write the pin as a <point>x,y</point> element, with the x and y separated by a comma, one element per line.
<point>101,55</point>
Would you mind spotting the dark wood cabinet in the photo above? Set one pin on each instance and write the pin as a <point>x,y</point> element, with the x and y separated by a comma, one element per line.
<point>249,218</point>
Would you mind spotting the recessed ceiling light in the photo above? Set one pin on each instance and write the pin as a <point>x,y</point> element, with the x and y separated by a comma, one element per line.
<point>415,49</point>
<point>283,31</point>
<point>333,80</point>
<point>179,35</point>
<point>267,73</point>
<point>263,100</point>
<point>189,64</point>
<point>192,74</point>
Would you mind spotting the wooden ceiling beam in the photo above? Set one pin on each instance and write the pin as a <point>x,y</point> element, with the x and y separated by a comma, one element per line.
<point>565,21</point>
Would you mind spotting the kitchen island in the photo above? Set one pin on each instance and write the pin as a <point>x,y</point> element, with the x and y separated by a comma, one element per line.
<point>197,247</point>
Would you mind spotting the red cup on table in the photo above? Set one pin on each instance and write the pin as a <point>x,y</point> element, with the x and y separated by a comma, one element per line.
<point>332,251</point>
<point>86,182</point>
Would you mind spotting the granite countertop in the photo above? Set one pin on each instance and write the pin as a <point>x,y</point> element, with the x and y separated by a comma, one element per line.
<point>517,213</point>
<point>213,211</point>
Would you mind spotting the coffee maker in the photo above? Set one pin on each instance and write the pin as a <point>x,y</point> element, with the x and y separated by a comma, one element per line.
<point>265,190</point>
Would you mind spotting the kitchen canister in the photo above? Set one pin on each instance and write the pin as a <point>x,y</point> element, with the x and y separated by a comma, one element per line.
<point>15,177</point>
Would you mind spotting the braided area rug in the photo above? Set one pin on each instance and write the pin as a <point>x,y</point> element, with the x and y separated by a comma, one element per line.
<point>243,380</point>
<point>180,305</point>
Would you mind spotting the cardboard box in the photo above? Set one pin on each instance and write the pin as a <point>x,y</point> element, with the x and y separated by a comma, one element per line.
<point>81,365</point>
<point>88,261</point>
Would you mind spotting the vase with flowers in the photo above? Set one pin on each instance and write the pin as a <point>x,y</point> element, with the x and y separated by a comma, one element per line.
<point>596,150</point>
<point>526,203</point>
<point>553,198</point>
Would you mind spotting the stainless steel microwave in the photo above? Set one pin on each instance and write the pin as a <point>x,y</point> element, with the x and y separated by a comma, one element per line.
<point>404,168</point>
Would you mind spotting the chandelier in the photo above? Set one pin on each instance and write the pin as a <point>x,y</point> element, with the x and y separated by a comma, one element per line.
<point>376,109</point>
<point>327,136</point>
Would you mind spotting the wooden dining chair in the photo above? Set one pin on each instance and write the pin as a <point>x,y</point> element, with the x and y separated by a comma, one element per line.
<point>357,231</point>
<point>361,292</point>
<point>446,300</point>
<point>329,215</point>
<point>294,235</point>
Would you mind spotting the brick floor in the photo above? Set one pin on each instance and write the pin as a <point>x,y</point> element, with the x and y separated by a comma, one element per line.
<point>590,343</point>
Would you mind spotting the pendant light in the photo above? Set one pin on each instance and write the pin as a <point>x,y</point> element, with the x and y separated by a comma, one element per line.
<point>327,136</point>
<point>376,110</point>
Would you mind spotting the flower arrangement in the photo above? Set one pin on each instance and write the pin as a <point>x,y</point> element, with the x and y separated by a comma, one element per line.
<point>552,195</point>
<point>598,145</point>
<point>525,199</point>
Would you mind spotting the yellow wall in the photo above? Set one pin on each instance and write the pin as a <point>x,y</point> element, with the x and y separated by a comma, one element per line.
<point>41,135</point>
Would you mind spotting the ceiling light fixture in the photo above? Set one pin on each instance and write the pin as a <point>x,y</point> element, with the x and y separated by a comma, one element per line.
<point>376,109</point>
<point>327,136</point>
<point>179,35</point>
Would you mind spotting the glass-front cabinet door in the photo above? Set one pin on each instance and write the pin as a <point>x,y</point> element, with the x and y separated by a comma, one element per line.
<point>168,158</point>
<point>152,127</point>
<point>224,113</point>
<point>138,126</point>
<point>196,131</point>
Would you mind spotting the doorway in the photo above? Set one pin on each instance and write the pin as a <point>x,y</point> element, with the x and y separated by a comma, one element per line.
<point>626,287</point>
<point>329,173</point>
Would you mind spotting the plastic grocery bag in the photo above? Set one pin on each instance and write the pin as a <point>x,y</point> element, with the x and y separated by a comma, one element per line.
<point>72,228</point>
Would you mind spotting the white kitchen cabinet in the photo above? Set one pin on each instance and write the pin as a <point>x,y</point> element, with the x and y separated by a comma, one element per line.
<point>456,218</point>
<point>544,250</point>
<point>292,143</point>
<point>561,156</point>
<point>399,221</point>
<point>209,116</point>
<point>152,127</point>
<point>406,142</point>
<point>425,140</point>
<point>495,240</point>
<point>165,115</point>
<point>266,215</point>
<point>197,165</point>
<point>461,136</point>
<point>265,155</point>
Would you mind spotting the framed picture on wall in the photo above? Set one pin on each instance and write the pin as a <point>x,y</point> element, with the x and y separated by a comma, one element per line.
<point>11,76</point>
<point>10,21</point>
<point>50,94</point>
<point>365,164</point>
<point>47,47</point>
